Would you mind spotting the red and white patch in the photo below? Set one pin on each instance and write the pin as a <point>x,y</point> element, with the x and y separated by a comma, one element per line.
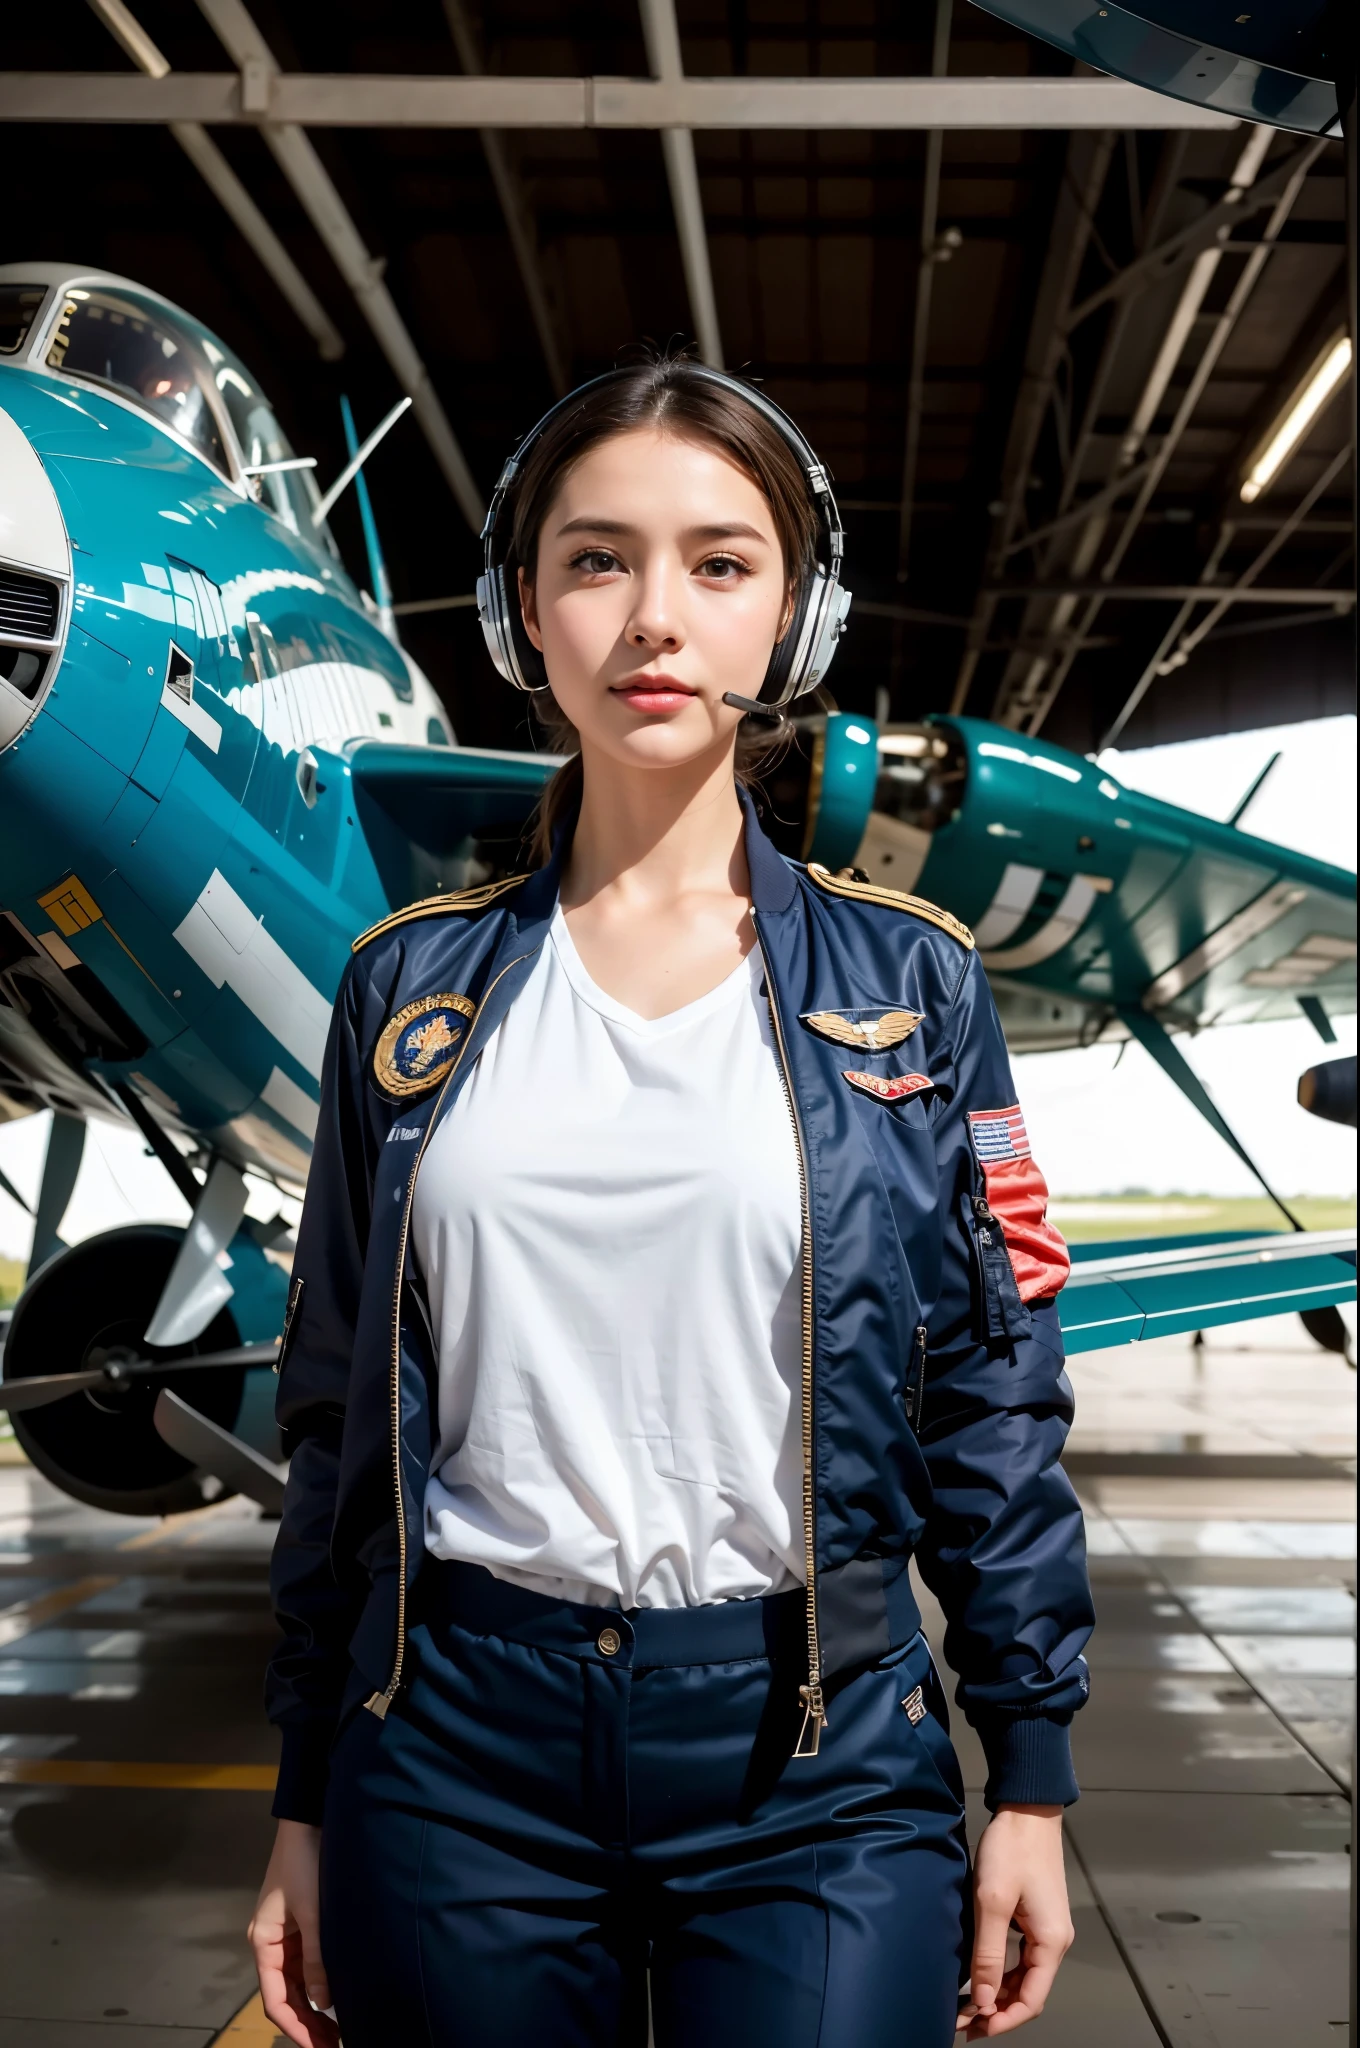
<point>887,1087</point>
<point>1018,1195</point>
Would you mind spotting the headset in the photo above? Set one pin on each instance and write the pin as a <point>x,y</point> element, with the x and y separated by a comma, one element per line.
<point>800,659</point>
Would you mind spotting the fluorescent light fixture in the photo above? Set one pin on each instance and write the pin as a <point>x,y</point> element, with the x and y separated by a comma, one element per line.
<point>1293,423</point>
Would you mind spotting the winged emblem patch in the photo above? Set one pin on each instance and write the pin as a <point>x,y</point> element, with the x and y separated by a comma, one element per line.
<point>866,1030</point>
<point>888,1087</point>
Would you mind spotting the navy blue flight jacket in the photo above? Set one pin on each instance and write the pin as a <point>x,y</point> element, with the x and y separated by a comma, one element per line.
<point>935,1406</point>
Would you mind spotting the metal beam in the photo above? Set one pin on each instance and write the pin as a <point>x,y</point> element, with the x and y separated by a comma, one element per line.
<point>930,255</point>
<point>330,217</point>
<point>1057,556</point>
<point>1177,645</point>
<point>1087,166</point>
<point>1029,689</point>
<point>1215,342</point>
<point>1247,579</point>
<point>1172,593</point>
<point>518,215</point>
<point>1192,296</point>
<point>264,94</point>
<point>1212,229</point>
<point>661,34</point>
<point>1086,508</point>
<point>218,175</point>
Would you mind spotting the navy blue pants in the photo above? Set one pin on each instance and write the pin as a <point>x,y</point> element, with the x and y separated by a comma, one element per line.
<point>567,1800</point>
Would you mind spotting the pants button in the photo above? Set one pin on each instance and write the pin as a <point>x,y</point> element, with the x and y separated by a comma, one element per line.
<point>608,1642</point>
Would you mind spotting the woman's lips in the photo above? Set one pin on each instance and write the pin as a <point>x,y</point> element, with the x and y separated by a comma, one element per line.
<point>654,693</point>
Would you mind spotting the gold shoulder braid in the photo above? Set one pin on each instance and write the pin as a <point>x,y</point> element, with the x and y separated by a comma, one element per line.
<point>437,906</point>
<point>853,882</point>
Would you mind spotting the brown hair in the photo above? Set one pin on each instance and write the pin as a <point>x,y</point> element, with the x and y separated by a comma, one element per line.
<point>672,394</point>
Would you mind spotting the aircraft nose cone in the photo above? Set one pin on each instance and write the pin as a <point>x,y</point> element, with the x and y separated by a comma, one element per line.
<point>35,581</point>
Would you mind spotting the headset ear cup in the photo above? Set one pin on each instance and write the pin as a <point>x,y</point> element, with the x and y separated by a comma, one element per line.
<point>530,673</point>
<point>830,629</point>
<point>775,689</point>
<point>488,617</point>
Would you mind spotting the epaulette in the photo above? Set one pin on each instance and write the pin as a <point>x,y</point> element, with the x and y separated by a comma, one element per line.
<point>853,882</point>
<point>439,906</point>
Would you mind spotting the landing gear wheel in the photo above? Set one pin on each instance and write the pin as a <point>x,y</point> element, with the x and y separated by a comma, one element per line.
<point>89,1303</point>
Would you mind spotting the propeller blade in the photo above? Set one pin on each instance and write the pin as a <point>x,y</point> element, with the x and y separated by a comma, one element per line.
<point>215,1450</point>
<point>17,1395</point>
<point>240,1354</point>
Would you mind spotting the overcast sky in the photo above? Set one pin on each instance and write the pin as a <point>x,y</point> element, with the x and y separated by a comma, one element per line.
<point>1095,1127</point>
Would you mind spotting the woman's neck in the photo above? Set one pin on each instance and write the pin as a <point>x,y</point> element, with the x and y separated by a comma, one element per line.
<point>653,837</point>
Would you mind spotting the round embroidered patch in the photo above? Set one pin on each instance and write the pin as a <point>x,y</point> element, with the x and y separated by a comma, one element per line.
<point>419,1045</point>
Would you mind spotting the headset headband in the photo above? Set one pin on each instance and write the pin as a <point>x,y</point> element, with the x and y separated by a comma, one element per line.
<point>800,659</point>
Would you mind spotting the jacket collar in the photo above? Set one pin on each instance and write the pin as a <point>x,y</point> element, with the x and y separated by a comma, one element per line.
<point>773,882</point>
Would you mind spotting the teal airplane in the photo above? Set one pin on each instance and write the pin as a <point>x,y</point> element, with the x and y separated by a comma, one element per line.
<point>218,764</point>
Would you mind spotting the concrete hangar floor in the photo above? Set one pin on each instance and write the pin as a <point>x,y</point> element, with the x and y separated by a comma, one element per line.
<point>1207,1857</point>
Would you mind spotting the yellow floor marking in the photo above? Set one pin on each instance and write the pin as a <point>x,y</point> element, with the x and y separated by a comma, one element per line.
<point>167,1527</point>
<point>250,2028</point>
<point>171,1526</point>
<point>26,1615</point>
<point>80,1771</point>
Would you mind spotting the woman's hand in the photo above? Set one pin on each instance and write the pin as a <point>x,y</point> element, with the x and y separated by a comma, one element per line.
<point>284,1936</point>
<point>1018,1876</point>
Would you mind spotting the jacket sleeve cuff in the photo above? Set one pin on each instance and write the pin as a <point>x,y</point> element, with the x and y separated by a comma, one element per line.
<point>304,1768</point>
<point>1029,1761</point>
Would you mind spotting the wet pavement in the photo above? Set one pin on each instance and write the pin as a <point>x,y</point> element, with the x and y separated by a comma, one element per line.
<point>1207,1856</point>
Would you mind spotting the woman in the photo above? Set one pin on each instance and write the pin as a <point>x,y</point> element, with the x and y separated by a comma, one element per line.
<point>672,1269</point>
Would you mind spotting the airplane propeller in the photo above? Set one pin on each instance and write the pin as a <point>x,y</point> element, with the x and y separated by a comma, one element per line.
<point>118,1373</point>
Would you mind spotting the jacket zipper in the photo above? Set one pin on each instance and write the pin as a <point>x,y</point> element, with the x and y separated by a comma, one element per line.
<point>916,1390</point>
<point>379,1702</point>
<point>814,1704</point>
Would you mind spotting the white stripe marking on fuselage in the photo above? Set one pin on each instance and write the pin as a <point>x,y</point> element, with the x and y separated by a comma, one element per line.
<point>231,945</point>
<point>292,1103</point>
<point>1066,921</point>
<point>1009,908</point>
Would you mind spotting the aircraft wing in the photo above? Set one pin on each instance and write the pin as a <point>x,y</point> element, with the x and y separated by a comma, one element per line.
<point>440,797</point>
<point>1123,1293</point>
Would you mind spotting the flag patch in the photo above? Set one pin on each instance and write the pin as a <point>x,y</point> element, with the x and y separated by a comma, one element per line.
<point>999,1134</point>
<point>1018,1195</point>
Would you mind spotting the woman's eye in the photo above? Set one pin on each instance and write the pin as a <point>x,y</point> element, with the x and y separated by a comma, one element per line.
<point>722,568</point>
<point>596,561</point>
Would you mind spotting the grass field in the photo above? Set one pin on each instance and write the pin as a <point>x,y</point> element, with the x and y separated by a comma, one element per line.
<point>1083,1219</point>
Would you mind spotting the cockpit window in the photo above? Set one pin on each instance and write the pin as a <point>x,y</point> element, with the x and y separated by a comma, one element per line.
<point>18,305</point>
<point>291,494</point>
<point>130,345</point>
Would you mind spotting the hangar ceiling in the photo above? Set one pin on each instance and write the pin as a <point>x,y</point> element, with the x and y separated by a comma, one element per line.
<point>1038,360</point>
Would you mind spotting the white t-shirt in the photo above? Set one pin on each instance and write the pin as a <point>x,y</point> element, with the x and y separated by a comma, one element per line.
<point>609,1231</point>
